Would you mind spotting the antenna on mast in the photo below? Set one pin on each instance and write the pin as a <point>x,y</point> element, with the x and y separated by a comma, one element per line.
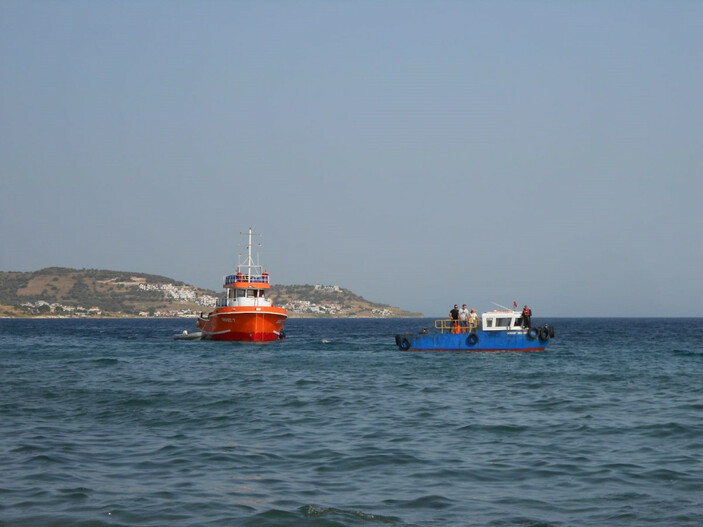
<point>248,263</point>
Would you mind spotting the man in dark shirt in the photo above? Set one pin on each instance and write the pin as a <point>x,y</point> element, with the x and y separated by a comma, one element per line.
<point>454,315</point>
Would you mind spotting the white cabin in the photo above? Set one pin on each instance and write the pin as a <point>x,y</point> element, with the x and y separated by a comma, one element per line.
<point>253,296</point>
<point>501,320</point>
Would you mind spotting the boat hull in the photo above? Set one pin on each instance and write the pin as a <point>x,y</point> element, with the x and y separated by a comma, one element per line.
<point>252,324</point>
<point>477,341</point>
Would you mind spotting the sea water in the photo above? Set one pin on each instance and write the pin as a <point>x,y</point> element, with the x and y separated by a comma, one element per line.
<point>112,422</point>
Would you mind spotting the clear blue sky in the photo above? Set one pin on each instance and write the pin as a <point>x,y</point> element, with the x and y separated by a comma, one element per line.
<point>418,153</point>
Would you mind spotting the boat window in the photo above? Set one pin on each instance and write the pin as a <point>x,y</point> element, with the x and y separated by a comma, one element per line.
<point>503,322</point>
<point>241,293</point>
<point>489,322</point>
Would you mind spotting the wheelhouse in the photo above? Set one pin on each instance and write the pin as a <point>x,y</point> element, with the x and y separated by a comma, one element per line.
<point>501,320</point>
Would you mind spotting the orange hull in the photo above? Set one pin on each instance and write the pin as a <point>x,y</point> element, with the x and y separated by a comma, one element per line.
<point>244,323</point>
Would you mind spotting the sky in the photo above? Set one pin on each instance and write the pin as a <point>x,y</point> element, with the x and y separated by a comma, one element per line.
<point>418,153</point>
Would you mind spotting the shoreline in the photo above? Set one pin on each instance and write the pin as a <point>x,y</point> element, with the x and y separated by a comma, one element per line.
<point>136,317</point>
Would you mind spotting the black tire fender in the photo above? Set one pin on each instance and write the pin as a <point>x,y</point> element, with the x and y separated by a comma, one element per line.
<point>472,339</point>
<point>532,333</point>
<point>544,334</point>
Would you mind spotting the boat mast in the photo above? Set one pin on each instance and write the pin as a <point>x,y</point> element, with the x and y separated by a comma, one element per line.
<point>248,263</point>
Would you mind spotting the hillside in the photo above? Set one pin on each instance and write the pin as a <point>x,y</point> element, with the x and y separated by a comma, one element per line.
<point>58,291</point>
<point>330,300</point>
<point>84,292</point>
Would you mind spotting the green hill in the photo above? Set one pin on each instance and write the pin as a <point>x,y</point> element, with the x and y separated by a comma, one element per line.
<point>59,291</point>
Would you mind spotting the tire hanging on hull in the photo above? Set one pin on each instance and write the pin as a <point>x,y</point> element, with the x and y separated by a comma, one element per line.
<point>544,334</point>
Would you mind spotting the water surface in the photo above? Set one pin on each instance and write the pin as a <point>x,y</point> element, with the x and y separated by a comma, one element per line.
<point>112,422</point>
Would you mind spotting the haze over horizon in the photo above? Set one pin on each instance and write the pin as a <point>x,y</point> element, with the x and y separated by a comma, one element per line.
<point>419,154</point>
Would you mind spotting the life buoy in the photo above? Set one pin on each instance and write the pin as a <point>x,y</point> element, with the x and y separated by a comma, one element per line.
<point>532,333</point>
<point>472,339</point>
<point>405,344</point>
<point>544,334</point>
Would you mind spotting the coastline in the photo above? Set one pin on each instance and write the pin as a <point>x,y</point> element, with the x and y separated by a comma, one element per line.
<point>135,317</point>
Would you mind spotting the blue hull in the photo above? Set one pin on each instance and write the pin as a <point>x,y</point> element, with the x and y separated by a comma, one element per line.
<point>477,341</point>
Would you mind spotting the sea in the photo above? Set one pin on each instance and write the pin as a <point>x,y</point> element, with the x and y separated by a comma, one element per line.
<point>112,422</point>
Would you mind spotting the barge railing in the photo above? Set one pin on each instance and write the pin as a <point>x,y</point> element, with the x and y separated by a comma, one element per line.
<point>455,326</point>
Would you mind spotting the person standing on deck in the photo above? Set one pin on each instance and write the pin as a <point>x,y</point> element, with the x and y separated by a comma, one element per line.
<point>454,316</point>
<point>464,319</point>
<point>474,319</point>
<point>526,317</point>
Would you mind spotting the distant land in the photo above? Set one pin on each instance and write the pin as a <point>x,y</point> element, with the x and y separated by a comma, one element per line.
<point>64,292</point>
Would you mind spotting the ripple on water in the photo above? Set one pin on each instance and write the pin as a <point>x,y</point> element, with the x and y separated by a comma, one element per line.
<point>335,426</point>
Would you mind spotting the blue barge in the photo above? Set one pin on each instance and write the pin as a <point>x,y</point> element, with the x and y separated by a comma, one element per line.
<point>495,331</point>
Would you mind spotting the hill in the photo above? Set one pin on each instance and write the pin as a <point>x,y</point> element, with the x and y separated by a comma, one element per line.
<point>330,300</point>
<point>59,291</point>
<point>91,292</point>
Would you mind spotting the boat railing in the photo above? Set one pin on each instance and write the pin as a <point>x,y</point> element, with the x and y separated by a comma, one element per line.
<point>449,325</point>
<point>258,279</point>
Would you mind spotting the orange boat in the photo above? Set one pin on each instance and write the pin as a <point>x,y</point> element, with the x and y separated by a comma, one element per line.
<point>245,313</point>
